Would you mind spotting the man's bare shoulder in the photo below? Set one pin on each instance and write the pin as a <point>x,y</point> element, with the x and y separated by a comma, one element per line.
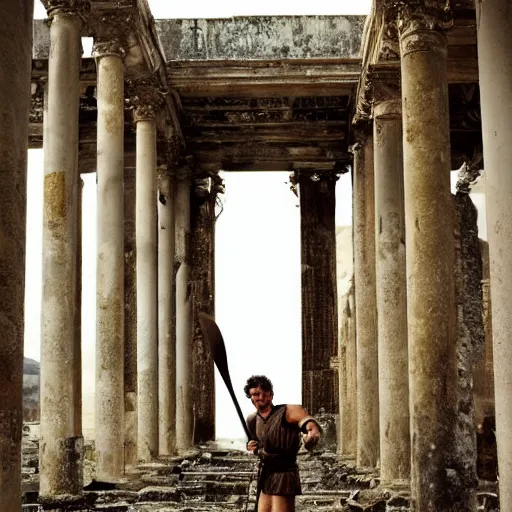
<point>295,413</point>
<point>251,416</point>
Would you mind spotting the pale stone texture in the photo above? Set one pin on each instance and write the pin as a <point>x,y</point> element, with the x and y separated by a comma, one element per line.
<point>166,317</point>
<point>264,37</point>
<point>319,295</point>
<point>61,443</point>
<point>109,419</point>
<point>147,281</point>
<point>366,308</point>
<point>429,237</point>
<point>347,360</point>
<point>495,65</point>
<point>184,406</point>
<point>130,321</point>
<point>391,295</point>
<point>15,62</point>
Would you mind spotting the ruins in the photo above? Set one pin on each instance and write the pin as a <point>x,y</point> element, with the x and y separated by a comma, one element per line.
<point>414,367</point>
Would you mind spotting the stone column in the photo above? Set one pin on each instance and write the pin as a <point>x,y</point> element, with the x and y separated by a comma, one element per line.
<point>184,412</point>
<point>347,439</point>
<point>391,294</point>
<point>495,67</point>
<point>429,240</point>
<point>147,294</point>
<point>367,453</point>
<point>319,291</point>
<point>61,443</point>
<point>77,356</point>
<point>202,280</point>
<point>130,321</point>
<point>166,316</point>
<point>110,264</point>
<point>16,62</point>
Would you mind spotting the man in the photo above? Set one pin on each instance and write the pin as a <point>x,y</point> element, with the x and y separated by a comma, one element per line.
<point>276,432</point>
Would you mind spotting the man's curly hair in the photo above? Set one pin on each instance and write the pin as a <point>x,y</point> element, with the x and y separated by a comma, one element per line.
<point>258,381</point>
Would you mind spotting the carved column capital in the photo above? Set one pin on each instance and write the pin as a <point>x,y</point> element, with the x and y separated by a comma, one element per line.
<point>110,37</point>
<point>421,24</point>
<point>145,98</point>
<point>360,134</point>
<point>387,99</point>
<point>80,8</point>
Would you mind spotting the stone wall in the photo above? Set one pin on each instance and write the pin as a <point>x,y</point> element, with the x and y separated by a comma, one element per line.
<point>262,37</point>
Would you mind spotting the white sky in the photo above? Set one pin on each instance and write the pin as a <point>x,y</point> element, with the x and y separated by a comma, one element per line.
<point>227,8</point>
<point>257,250</point>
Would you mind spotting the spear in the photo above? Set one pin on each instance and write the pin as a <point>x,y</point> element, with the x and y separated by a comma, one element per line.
<point>213,336</point>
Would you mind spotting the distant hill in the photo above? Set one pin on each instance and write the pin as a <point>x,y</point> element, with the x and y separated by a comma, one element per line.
<point>30,366</point>
<point>31,390</point>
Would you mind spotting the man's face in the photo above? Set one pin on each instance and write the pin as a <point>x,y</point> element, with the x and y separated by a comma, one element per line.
<point>261,399</point>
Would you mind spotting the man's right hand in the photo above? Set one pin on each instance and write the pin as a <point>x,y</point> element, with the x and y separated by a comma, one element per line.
<point>252,445</point>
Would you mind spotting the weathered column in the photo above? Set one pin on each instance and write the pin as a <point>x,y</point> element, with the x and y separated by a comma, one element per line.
<point>391,293</point>
<point>202,218</point>
<point>495,67</point>
<point>61,443</point>
<point>77,356</point>
<point>147,281</point>
<point>109,426</point>
<point>166,316</point>
<point>15,62</point>
<point>367,452</point>
<point>429,241</point>
<point>184,411</point>
<point>347,439</point>
<point>319,291</point>
<point>130,321</point>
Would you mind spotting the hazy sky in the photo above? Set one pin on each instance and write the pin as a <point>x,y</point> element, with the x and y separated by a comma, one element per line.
<point>257,250</point>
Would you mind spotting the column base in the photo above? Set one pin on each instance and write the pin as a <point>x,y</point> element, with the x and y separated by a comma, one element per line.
<point>399,485</point>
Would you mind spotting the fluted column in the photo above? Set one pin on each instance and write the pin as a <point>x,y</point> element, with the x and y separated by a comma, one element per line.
<point>130,321</point>
<point>15,63</point>
<point>430,255</point>
<point>147,312</point>
<point>166,316</point>
<point>495,67</point>
<point>202,219</point>
<point>109,426</point>
<point>184,412</point>
<point>319,292</point>
<point>61,443</point>
<point>391,292</point>
<point>367,452</point>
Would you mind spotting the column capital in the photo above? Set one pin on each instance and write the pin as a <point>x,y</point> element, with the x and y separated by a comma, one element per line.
<point>469,173</point>
<point>108,47</point>
<point>79,8</point>
<point>420,23</point>
<point>361,133</point>
<point>387,97</point>
<point>145,98</point>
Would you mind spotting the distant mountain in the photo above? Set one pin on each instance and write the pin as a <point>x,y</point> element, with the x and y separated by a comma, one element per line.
<point>31,387</point>
<point>30,366</point>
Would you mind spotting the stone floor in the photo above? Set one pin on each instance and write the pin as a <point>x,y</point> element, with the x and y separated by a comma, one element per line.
<point>220,480</point>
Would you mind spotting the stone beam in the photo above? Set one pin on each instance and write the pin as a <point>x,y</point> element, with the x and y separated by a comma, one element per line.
<point>262,37</point>
<point>301,77</point>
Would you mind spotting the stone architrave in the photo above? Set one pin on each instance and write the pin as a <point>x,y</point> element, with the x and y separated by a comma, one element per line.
<point>495,69</point>
<point>391,286</point>
<point>109,418</point>
<point>367,452</point>
<point>61,442</point>
<point>319,291</point>
<point>15,62</point>
<point>430,261</point>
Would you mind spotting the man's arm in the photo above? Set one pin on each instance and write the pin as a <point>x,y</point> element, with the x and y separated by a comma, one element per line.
<point>307,424</point>
<point>253,444</point>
